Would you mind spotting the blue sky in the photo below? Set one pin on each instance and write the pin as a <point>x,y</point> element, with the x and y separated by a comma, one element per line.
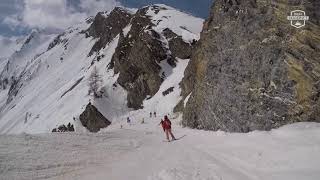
<point>18,17</point>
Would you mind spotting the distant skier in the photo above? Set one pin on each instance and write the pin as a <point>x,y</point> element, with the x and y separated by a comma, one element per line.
<point>155,114</point>
<point>167,127</point>
<point>128,120</point>
<point>151,114</point>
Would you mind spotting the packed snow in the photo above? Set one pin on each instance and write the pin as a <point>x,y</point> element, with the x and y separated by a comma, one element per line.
<point>138,152</point>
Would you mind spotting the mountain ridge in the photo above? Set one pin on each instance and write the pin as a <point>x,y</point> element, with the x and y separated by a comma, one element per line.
<point>36,99</point>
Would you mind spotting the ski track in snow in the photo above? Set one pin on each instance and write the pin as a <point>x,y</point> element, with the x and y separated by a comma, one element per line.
<point>138,152</point>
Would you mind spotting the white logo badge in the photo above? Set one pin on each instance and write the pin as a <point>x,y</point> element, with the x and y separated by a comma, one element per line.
<point>298,18</point>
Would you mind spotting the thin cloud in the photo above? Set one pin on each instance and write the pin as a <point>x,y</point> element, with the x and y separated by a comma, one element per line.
<point>56,14</point>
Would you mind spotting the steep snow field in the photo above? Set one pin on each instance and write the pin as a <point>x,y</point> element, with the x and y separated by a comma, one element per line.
<point>39,104</point>
<point>138,152</point>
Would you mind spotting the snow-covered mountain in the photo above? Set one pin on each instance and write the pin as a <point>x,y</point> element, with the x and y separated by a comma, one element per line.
<point>9,46</point>
<point>234,78</point>
<point>247,72</point>
<point>45,83</point>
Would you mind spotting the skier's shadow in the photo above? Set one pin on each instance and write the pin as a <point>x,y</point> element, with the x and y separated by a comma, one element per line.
<point>181,137</point>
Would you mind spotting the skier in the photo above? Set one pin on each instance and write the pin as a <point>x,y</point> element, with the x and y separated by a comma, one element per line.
<point>162,125</point>
<point>151,114</point>
<point>128,120</point>
<point>167,127</point>
<point>155,114</point>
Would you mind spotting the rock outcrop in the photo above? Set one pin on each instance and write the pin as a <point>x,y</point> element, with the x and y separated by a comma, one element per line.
<point>136,59</point>
<point>93,120</point>
<point>251,70</point>
<point>106,27</point>
<point>140,52</point>
<point>177,46</point>
<point>64,128</point>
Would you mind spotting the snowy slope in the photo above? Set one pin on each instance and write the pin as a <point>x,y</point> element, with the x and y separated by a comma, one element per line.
<point>33,46</point>
<point>44,79</point>
<point>182,24</point>
<point>53,82</point>
<point>137,152</point>
<point>8,46</point>
<point>3,62</point>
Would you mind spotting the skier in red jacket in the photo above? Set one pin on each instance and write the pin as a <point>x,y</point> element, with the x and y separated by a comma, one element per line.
<point>166,124</point>
<point>162,125</point>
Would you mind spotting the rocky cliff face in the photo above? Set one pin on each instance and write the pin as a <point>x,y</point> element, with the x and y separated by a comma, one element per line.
<point>106,27</point>
<point>251,70</point>
<point>136,59</point>
<point>140,53</point>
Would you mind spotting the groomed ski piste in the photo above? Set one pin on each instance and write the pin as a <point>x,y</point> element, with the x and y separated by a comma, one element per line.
<point>135,151</point>
<point>138,152</point>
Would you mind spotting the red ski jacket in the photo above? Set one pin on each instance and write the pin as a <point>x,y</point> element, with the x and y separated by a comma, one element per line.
<point>167,124</point>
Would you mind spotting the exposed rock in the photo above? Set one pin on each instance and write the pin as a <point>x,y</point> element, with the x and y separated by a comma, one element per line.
<point>93,120</point>
<point>90,20</point>
<point>4,83</point>
<point>168,91</point>
<point>107,27</point>
<point>137,57</point>
<point>251,70</point>
<point>56,41</point>
<point>33,35</point>
<point>177,46</point>
<point>16,85</point>
<point>64,128</point>
<point>140,52</point>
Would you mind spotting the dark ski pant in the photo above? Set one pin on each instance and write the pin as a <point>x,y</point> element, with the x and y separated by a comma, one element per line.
<point>169,132</point>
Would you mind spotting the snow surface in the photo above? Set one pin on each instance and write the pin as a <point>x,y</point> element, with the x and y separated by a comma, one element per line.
<point>138,152</point>
<point>165,104</point>
<point>33,45</point>
<point>187,26</point>
<point>46,79</point>
<point>126,30</point>
<point>186,100</point>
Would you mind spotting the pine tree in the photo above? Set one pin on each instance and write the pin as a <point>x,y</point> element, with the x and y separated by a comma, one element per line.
<point>95,81</point>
